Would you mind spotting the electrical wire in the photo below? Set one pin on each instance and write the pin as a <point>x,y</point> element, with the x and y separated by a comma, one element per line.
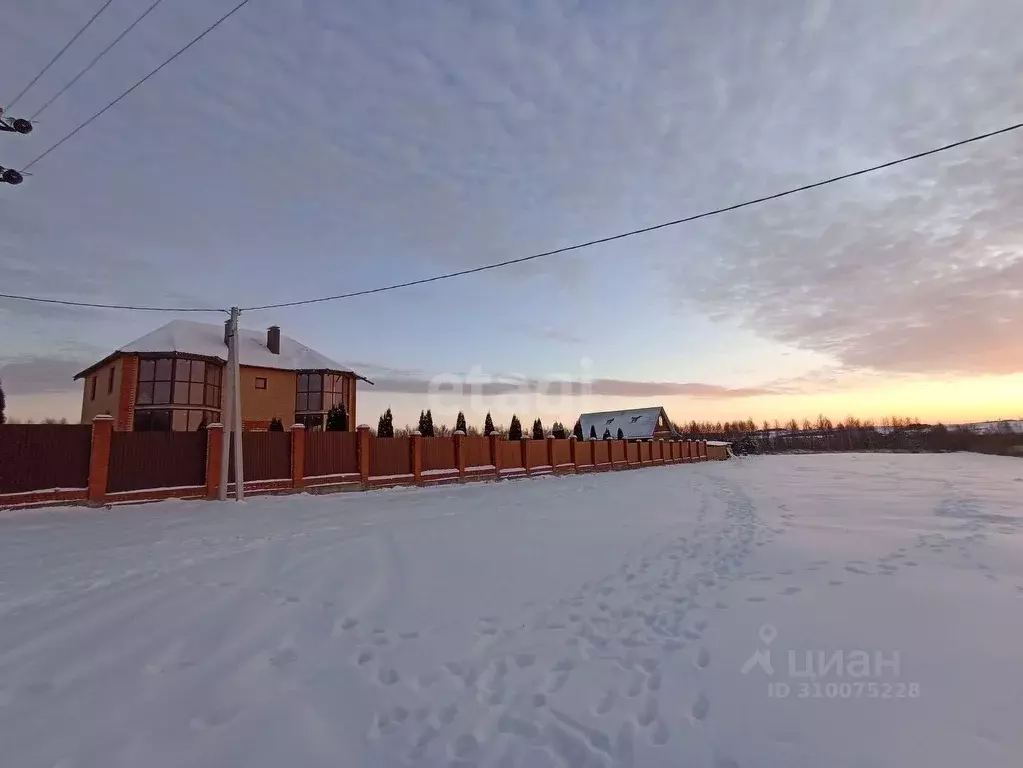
<point>643,230</point>
<point>93,63</point>
<point>132,307</point>
<point>180,51</point>
<point>60,53</point>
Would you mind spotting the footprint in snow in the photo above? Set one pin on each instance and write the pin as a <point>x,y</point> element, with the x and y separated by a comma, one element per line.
<point>465,747</point>
<point>606,703</point>
<point>703,658</point>
<point>661,734</point>
<point>701,707</point>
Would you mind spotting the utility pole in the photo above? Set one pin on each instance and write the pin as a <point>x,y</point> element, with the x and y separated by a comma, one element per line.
<point>239,465</point>
<point>231,414</point>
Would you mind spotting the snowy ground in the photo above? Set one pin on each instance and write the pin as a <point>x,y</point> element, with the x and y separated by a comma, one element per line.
<point>600,620</point>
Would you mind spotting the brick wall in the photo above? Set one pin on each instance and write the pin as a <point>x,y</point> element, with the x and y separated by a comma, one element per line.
<point>259,406</point>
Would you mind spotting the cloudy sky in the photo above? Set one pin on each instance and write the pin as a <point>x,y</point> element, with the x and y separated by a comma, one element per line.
<point>309,147</point>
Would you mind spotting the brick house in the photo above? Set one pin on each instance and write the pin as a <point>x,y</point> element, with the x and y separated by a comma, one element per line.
<point>171,379</point>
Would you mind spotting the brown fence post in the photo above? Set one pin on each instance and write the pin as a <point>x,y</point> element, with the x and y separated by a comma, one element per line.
<point>214,444</point>
<point>593,453</point>
<point>459,438</point>
<point>416,446</point>
<point>703,450</point>
<point>99,458</point>
<point>363,449</point>
<point>524,445</point>
<point>573,451</point>
<point>550,454</point>
<point>660,445</point>
<point>297,455</point>
<point>495,454</point>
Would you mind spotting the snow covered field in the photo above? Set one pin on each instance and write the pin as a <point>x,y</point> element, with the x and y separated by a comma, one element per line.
<point>657,617</point>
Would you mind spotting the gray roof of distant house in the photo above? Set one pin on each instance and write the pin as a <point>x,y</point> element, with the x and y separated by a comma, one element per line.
<point>635,423</point>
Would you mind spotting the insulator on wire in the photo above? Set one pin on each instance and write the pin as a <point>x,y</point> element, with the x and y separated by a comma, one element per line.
<point>14,124</point>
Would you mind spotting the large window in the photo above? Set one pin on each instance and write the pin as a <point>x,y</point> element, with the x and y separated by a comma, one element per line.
<point>166,381</point>
<point>335,387</point>
<point>311,421</point>
<point>319,392</point>
<point>178,419</point>
<point>177,393</point>
<point>310,392</point>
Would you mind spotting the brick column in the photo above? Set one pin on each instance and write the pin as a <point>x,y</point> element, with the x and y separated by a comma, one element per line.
<point>416,448</point>
<point>214,446</point>
<point>126,395</point>
<point>99,458</point>
<point>495,453</point>
<point>297,455</point>
<point>593,453</point>
<point>550,453</point>
<point>573,451</point>
<point>363,449</point>
<point>660,443</point>
<point>703,450</point>
<point>459,438</point>
<point>610,453</point>
<point>524,443</point>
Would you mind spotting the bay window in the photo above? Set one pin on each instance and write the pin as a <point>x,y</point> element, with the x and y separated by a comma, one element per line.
<point>177,393</point>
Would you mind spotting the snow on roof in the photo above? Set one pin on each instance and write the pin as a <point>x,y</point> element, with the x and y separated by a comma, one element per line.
<point>635,423</point>
<point>205,339</point>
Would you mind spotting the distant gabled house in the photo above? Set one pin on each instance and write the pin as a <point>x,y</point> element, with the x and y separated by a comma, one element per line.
<point>172,379</point>
<point>636,424</point>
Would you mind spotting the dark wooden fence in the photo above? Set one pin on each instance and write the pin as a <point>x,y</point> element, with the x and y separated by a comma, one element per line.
<point>44,456</point>
<point>390,456</point>
<point>267,456</point>
<point>562,452</point>
<point>438,453</point>
<point>331,453</point>
<point>37,459</point>
<point>477,452</point>
<point>536,452</point>
<point>584,453</point>
<point>145,460</point>
<point>618,452</point>
<point>511,453</point>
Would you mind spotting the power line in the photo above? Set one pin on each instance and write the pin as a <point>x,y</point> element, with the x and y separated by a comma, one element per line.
<point>643,230</point>
<point>132,307</point>
<point>180,51</point>
<point>60,53</point>
<point>93,63</point>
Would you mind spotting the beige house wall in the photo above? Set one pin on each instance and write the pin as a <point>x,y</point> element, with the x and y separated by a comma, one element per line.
<point>259,406</point>
<point>107,398</point>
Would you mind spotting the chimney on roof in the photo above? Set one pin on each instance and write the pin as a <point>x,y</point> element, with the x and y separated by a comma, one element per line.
<point>227,333</point>
<point>273,339</point>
